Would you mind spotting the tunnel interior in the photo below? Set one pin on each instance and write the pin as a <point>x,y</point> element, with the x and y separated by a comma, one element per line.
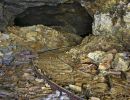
<point>67,17</point>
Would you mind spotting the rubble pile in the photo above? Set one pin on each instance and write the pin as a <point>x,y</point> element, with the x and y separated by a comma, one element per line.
<point>39,37</point>
<point>94,68</point>
<point>18,79</point>
<point>99,66</point>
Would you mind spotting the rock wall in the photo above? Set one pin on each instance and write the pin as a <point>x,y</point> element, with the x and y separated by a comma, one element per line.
<point>66,17</point>
<point>114,17</point>
<point>77,18</point>
<point>10,8</point>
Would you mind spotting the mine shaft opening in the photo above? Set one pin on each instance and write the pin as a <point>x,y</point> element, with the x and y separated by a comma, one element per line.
<point>67,17</point>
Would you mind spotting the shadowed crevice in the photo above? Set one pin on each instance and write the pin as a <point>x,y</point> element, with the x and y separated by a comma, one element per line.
<point>67,17</point>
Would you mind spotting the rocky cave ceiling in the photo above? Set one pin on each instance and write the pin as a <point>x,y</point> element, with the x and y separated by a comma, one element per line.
<point>63,15</point>
<point>68,17</point>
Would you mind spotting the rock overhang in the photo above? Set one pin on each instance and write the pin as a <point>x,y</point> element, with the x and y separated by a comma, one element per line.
<point>11,9</point>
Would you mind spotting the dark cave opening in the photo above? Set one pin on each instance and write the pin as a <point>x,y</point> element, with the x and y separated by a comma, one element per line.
<point>67,17</point>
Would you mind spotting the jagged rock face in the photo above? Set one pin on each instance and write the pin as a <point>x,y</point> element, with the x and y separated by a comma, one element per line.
<point>10,8</point>
<point>39,37</point>
<point>71,15</point>
<point>78,21</point>
<point>67,17</point>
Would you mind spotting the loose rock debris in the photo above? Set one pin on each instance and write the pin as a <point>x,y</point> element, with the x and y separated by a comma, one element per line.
<point>18,80</point>
<point>100,74</point>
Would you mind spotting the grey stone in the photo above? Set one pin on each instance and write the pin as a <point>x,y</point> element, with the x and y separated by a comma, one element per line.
<point>121,63</point>
<point>8,58</point>
<point>1,61</point>
<point>4,37</point>
<point>4,50</point>
<point>10,9</point>
<point>97,56</point>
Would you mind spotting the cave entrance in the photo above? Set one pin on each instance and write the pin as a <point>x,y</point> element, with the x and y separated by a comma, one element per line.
<point>68,17</point>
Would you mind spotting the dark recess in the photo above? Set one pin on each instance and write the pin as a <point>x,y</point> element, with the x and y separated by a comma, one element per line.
<point>67,17</point>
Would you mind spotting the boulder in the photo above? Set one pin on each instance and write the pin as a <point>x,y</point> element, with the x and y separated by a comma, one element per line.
<point>121,63</point>
<point>97,56</point>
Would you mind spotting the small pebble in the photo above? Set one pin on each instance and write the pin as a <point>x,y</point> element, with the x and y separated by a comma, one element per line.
<point>39,80</point>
